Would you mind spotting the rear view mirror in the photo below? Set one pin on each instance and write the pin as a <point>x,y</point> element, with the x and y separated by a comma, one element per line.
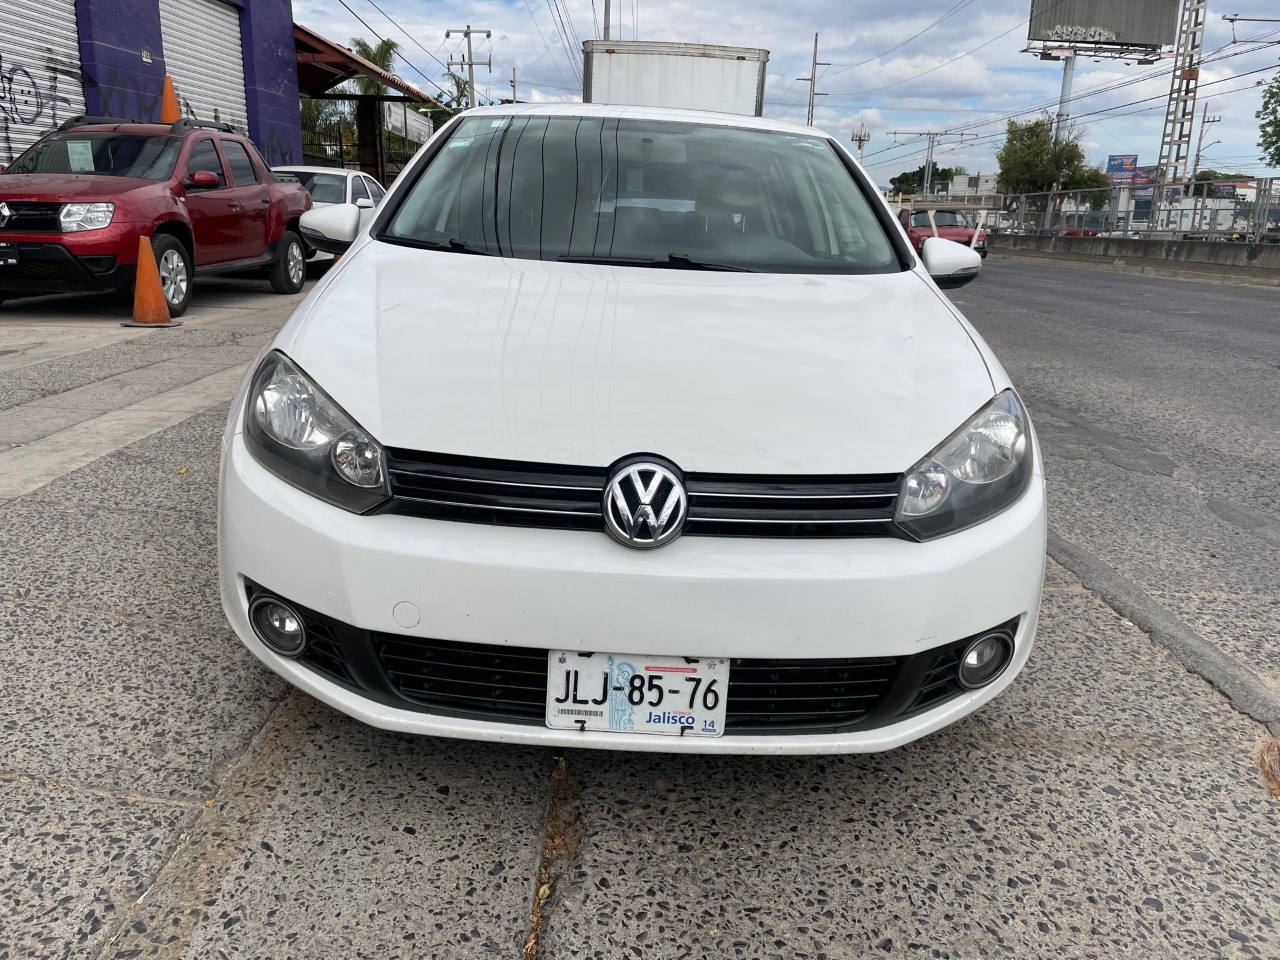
<point>364,203</point>
<point>950,264</point>
<point>331,229</point>
<point>204,180</point>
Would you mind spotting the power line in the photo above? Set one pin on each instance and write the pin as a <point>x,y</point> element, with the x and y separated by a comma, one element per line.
<point>845,69</point>
<point>382,39</point>
<point>546,46</point>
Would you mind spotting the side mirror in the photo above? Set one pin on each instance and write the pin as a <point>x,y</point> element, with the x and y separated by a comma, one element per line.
<point>950,264</point>
<point>364,203</point>
<point>204,180</point>
<point>331,229</point>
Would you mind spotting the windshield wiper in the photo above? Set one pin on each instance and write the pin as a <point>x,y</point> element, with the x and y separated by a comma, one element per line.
<point>452,245</point>
<point>673,261</point>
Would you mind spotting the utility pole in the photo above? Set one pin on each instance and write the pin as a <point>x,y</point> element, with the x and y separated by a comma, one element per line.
<point>1064,98</point>
<point>812,79</point>
<point>934,136</point>
<point>861,136</point>
<point>470,62</point>
<point>513,84</point>
<point>606,20</point>
<point>1205,120</point>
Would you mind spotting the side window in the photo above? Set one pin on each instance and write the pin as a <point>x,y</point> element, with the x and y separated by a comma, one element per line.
<point>242,168</point>
<point>358,191</point>
<point>375,191</point>
<point>204,156</point>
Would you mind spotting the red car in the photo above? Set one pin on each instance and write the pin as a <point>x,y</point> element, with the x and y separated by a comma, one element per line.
<point>73,206</point>
<point>950,225</point>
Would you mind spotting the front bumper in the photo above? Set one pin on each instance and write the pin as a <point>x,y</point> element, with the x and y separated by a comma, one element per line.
<point>549,589</point>
<point>71,262</point>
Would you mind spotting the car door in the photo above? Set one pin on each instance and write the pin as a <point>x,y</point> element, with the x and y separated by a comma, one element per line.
<point>214,211</point>
<point>254,197</point>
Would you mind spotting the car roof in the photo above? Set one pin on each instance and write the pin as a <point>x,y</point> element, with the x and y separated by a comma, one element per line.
<point>148,129</point>
<point>301,168</point>
<point>644,113</point>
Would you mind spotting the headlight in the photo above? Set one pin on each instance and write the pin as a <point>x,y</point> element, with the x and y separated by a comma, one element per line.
<point>975,473</point>
<point>298,433</point>
<point>86,216</point>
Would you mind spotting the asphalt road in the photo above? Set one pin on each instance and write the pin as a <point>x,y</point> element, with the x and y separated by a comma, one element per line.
<point>161,795</point>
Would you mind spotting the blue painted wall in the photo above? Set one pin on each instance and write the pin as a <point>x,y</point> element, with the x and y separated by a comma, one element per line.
<point>271,79</point>
<point>116,37</point>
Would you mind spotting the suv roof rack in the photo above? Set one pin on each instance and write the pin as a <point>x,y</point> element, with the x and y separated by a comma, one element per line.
<point>187,124</point>
<point>84,120</point>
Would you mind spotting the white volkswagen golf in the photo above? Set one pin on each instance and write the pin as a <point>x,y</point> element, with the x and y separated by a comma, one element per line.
<point>636,429</point>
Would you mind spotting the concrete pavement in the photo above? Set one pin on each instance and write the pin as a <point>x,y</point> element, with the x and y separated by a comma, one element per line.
<point>162,795</point>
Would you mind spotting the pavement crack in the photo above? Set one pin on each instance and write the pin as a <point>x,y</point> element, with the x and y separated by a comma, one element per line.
<point>102,793</point>
<point>561,840</point>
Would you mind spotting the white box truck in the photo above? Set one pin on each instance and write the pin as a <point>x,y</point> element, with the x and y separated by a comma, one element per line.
<point>692,76</point>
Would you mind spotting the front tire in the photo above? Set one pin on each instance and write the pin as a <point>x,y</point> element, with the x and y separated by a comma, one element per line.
<point>290,271</point>
<point>174,264</point>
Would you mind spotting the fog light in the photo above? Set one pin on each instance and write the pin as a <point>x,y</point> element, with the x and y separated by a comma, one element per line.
<point>278,626</point>
<point>984,660</point>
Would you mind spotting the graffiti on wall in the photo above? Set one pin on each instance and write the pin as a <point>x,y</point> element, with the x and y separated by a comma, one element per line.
<point>34,99</point>
<point>129,94</point>
<point>1061,34</point>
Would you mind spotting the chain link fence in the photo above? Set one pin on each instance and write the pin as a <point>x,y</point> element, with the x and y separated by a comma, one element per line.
<point>1211,210</point>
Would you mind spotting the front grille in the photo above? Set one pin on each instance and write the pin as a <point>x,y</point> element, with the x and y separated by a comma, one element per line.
<point>508,684</point>
<point>498,682</point>
<point>479,680</point>
<point>32,217</point>
<point>518,493</point>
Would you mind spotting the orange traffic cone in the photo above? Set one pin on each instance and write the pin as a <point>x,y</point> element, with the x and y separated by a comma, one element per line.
<point>150,308</point>
<point>170,112</point>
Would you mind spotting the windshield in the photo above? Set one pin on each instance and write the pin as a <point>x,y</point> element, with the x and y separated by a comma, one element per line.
<point>645,193</point>
<point>323,187</point>
<point>943,218</point>
<point>102,154</point>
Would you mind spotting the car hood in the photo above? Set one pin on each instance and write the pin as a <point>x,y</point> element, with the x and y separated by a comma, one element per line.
<point>55,187</point>
<point>583,364</point>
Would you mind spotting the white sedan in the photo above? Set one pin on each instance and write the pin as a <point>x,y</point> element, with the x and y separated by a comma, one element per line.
<point>635,429</point>
<point>334,185</point>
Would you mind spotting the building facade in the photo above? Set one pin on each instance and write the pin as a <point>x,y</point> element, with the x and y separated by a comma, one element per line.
<point>229,60</point>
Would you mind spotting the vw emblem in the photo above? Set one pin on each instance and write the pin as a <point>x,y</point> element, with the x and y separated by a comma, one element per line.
<point>4,213</point>
<point>644,505</point>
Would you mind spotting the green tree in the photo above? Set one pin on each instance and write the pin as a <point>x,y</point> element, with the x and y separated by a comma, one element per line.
<point>1093,180</point>
<point>1032,160</point>
<point>1269,124</point>
<point>383,55</point>
<point>912,181</point>
<point>1210,174</point>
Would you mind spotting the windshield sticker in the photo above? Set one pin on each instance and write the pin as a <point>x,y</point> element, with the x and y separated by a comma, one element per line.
<point>458,144</point>
<point>80,156</point>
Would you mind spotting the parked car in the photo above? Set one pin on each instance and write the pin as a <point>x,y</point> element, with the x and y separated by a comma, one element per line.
<point>948,224</point>
<point>330,185</point>
<point>684,451</point>
<point>73,206</point>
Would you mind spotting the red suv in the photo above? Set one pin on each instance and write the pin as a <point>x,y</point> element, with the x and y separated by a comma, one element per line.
<point>73,206</point>
<point>948,224</point>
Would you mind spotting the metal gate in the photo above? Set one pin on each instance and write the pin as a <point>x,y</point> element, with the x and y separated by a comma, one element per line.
<point>204,58</point>
<point>40,79</point>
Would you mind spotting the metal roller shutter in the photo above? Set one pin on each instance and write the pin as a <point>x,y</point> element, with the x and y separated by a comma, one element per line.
<point>203,55</point>
<point>40,80</point>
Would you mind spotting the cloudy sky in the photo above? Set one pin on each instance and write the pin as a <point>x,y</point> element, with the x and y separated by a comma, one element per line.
<point>893,66</point>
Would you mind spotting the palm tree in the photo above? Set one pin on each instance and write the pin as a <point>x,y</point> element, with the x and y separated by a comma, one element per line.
<point>383,55</point>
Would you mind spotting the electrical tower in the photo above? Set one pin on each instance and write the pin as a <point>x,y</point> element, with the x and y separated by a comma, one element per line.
<point>812,79</point>
<point>861,136</point>
<point>1180,114</point>
<point>470,63</point>
<point>934,136</point>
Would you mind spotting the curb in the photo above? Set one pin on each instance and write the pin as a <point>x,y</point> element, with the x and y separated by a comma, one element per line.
<point>1169,271</point>
<point>1238,683</point>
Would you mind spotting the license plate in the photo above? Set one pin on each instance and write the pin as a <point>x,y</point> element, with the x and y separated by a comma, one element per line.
<point>624,693</point>
<point>8,254</point>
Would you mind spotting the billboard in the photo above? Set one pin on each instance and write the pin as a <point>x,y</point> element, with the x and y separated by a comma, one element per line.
<point>1122,169</point>
<point>1133,23</point>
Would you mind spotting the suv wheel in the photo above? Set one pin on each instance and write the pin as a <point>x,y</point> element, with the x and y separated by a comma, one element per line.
<point>174,264</point>
<point>291,267</point>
